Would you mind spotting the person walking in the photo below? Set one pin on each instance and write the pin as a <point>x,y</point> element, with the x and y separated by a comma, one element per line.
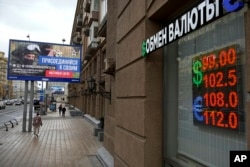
<point>63,111</point>
<point>60,109</point>
<point>37,122</point>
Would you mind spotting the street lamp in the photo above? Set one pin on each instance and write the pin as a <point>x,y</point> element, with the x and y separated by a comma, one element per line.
<point>92,89</point>
<point>91,84</point>
<point>28,36</point>
<point>63,40</point>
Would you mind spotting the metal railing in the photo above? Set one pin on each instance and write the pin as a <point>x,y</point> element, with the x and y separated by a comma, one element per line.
<point>10,124</point>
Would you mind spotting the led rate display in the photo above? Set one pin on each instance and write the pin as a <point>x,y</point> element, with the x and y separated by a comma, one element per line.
<point>217,86</point>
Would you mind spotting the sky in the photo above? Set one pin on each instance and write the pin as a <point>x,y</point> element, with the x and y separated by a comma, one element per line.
<point>43,20</point>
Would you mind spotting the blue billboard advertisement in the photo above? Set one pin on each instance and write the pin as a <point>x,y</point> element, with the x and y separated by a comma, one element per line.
<point>57,90</point>
<point>38,61</point>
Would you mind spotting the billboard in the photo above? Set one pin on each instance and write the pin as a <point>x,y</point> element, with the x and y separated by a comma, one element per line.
<point>38,61</point>
<point>57,90</point>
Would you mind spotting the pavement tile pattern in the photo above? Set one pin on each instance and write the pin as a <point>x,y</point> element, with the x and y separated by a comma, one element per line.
<point>63,141</point>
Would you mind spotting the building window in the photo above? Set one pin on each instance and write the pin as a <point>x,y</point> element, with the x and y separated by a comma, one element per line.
<point>103,9</point>
<point>206,145</point>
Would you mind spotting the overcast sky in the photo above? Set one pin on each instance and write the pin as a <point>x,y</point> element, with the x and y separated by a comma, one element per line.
<point>44,20</point>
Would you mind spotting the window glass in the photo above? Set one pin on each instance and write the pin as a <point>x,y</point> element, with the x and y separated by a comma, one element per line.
<point>103,9</point>
<point>210,145</point>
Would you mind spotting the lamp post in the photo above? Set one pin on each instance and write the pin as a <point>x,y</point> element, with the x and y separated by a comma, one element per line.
<point>63,40</point>
<point>91,84</point>
<point>28,36</point>
<point>92,89</point>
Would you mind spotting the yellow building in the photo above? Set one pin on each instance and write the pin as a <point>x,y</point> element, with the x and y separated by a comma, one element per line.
<point>5,92</point>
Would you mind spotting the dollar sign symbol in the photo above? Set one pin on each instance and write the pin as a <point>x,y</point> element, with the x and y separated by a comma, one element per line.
<point>197,79</point>
<point>143,49</point>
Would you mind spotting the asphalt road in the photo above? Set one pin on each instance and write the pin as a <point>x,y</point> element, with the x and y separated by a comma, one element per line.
<point>12,112</point>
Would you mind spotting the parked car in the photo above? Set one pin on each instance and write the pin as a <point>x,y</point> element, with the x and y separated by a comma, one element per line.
<point>36,104</point>
<point>9,102</point>
<point>18,103</point>
<point>2,104</point>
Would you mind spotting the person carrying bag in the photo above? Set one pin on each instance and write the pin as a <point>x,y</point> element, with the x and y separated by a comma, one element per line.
<point>37,122</point>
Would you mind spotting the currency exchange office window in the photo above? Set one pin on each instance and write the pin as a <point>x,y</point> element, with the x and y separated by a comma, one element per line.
<point>211,93</point>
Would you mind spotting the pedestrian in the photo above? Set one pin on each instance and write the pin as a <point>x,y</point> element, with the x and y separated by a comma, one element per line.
<point>60,109</point>
<point>37,122</point>
<point>63,111</point>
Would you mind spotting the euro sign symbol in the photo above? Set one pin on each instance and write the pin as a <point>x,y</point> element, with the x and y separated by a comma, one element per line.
<point>143,49</point>
<point>197,79</point>
<point>197,108</point>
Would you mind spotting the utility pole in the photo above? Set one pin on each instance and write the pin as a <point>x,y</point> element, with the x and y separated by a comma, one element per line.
<point>25,106</point>
<point>25,102</point>
<point>31,105</point>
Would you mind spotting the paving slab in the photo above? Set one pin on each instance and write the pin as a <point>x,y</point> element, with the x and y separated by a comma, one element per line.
<point>63,141</point>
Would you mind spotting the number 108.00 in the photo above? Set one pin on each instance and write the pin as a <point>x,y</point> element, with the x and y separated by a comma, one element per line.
<point>217,99</point>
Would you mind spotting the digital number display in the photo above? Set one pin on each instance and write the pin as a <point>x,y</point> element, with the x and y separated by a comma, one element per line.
<point>216,78</point>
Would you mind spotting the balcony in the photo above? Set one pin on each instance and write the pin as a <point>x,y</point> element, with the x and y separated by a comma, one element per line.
<point>85,31</point>
<point>78,28</point>
<point>94,16</point>
<point>87,57</point>
<point>79,20</point>
<point>77,38</point>
<point>92,48</point>
<point>103,27</point>
<point>85,19</point>
<point>86,6</point>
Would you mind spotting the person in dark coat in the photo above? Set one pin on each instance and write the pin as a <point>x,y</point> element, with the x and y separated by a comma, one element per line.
<point>60,109</point>
<point>63,111</point>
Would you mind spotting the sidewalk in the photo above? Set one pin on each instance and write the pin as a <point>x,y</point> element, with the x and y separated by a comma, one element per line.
<point>63,141</point>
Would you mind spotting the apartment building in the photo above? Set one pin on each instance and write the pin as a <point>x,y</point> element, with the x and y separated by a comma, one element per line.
<point>12,89</point>
<point>6,90</point>
<point>171,79</point>
<point>89,30</point>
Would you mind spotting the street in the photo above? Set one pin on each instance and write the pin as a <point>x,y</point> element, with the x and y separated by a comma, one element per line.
<point>12,112</point>
<point>63,141</point>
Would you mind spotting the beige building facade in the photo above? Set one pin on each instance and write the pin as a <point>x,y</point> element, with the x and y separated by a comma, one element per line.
<point>6,89</point>
<point>171,79</point>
